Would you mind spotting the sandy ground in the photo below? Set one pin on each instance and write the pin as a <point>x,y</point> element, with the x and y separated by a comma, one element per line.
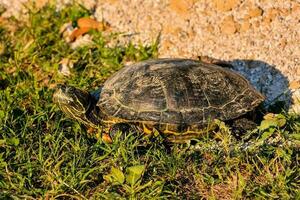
<point>260,38</point>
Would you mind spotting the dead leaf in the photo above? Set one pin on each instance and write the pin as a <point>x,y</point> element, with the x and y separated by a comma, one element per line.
<point>77,33</point>
<point>87,22</point>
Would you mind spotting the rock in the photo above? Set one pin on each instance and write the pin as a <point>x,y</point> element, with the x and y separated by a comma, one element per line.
<point>285,11</point>
<point>245,26</point>
<point>88,4</point>
<point>172,29</point>
<point>85,40</point>
<point>41,3</point>
<point>228,25</point>
<point>210,28</point>
<point>282,44</point>
<point>270,15</point>
<point>225,5</point>
<point>255,12</point>
<point>15,8</point>
<point>181,7</point>
<point>296,8</point>
<point>166,45</point>
<point>108,1</point>
<point>66,30</point>
<point>65,66</point>
<point>295,85</point>
<point>295,108</point>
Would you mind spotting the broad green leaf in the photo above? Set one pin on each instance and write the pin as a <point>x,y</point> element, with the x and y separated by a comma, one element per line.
<point>115,176</point>
<point>267,134</point>
<point>281,120</point>
<point>295,136</point>
<point>2,142</point>
<point>13,141</point>
<point>267,123</point>
<point>2,114</point>
<point>278,118</point>
<point>134,173</point>
<point>118,175</point>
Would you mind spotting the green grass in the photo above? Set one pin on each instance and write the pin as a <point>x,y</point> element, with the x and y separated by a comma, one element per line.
<point>44,155</point>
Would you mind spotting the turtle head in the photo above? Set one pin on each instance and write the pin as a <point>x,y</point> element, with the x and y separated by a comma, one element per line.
<point>75,103</point>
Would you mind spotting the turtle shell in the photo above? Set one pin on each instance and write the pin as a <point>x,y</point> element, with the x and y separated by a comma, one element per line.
<point>176,91</point>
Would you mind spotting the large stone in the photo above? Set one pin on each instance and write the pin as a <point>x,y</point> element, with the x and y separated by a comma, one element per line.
<point>245,26</point>
<point>228,25</point>
<point>225,5</point>
<point>181,7</point>
<point>255,12</point>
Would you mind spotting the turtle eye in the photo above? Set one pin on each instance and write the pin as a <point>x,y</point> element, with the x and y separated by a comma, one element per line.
<point>80,99</point>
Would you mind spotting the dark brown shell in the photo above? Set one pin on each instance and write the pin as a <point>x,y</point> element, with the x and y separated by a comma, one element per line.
<point>177,91</point>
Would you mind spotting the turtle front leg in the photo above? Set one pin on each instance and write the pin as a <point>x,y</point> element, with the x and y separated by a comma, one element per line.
<point>109,133</point>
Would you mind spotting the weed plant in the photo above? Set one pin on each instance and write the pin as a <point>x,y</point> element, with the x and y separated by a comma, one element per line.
<point>44,155</point>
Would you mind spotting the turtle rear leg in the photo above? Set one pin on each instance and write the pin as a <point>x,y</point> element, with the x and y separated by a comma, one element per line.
<point>215,61</point>
<point>240,127</point>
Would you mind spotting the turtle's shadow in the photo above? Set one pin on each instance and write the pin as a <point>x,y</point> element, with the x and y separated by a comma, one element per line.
<point>268,80</point>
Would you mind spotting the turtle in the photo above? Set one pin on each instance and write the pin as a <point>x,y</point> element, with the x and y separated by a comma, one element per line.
<point>179,98</point>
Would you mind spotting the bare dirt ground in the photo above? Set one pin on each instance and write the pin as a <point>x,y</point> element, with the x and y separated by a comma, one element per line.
<point>260,38</point>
